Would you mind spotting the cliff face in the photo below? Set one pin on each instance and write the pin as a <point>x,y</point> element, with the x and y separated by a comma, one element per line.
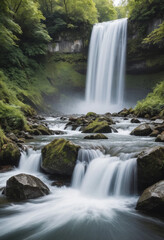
<point>144,65</point>
<point>143,58</point>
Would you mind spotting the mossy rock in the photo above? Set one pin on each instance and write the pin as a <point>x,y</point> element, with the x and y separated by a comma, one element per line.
<point>59,157</point>
<point>97,136</point>
<point>39,130</point>
<point>98,127</point>
<point>3,138</point>
<point>142,130</point>
<point>91,114</point>
<point>150,167</point>
<point>9,154</point>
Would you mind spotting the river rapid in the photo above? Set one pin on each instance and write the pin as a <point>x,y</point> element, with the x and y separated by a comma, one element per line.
<point>100,202</point>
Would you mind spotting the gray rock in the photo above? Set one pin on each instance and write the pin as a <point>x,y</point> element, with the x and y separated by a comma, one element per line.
<point>160,137</point>
<point>24,186</point>
<point>135,120</point>
<point>152,199</point>
<point>142,130</point>
<point>150,166</point>
<point>97,136</point>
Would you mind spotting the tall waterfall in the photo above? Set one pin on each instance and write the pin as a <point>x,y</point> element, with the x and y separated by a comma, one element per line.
<point>106,66</point>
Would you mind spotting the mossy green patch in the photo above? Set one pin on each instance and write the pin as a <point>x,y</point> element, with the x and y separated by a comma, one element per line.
<point>97,127</point>
<point>59,157</point>
<point>11,118</point>
<point>153,104</point>
<point>9,154</point>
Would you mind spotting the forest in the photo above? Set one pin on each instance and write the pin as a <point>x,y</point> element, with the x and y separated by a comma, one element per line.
<point>81,119</point>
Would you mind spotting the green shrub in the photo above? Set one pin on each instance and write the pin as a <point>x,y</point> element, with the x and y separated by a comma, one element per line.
<point>153,104</point>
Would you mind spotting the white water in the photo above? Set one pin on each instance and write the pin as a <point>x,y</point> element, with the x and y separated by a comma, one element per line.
<point>106,66</point>
<point>75,213</point>
<point>30,161</point>
<point>101,176</point>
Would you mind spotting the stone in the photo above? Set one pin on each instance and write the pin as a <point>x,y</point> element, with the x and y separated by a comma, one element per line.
<point>160,137</point>
<point>59,157</point>
<point>9,154</point>
<point>142,130</point>
<point>159,127</point>
<point>159,121</point>
<point>135,120</point>
<point>98,127</point>
<point>154,133</point>
<point>150,166</point>
<point>24,186</point>
<point>97,136</point>
<point>152,199</point>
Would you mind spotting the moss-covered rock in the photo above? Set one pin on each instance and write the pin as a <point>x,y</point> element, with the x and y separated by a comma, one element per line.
<point>39,130</point>
<point>11,118</point>
<point>91,114</point>
<point>98,127</point>
<point>160,137</point>
<point>97,136</point>
<point>152,199</point>
<point>59,157</point>
<point>9,154</point>
<point>150,167</point>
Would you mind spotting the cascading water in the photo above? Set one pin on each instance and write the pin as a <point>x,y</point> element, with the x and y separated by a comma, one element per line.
<point>106,66</point>
<point>30,161</point>
<point>99,175</point>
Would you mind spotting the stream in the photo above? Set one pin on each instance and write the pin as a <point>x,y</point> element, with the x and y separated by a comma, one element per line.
<point>100,202</point>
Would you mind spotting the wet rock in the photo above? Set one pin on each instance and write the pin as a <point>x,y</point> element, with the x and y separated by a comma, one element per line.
<point>9,154</point>
<point>152,199</point>
<point>98,127</point>
<point>58,132</point>
<point>59,157</point>
<point>40,130</point>
<point>135,120</point>
<point>24,186</point>
<point>150,166</point>
<point>142,130</point>
<point>160,137</point>
<point>12,136</point>
<point>6,168</point>
<point>159,127</point>
<point>154,133</point>
<point>97,136</point>
<point>92,115</point>
<point>159,121</point>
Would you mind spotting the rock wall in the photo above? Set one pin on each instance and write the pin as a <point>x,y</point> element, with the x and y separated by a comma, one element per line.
<point>66,46</point>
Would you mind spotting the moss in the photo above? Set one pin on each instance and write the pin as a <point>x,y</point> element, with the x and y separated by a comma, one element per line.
<point>11,117</point>
<point>153,104</point>
<point>3,138</point>
<point>9,154</point>
<point>39,130</point>
<point>97,136</point>
<point>97,127</point>
<point>91,114</point>
<point>59,157</point>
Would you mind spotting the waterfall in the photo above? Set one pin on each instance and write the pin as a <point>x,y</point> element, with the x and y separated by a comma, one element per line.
<point>30,161</point>
<point>99,175</point>
<point>106,65</point>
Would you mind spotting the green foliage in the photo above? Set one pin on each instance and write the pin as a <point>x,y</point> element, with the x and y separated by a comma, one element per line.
<point>11,117</point>
<point>155,36</point>
<point>3,138</point>
<point>153,103</point>
<point>106,10</point>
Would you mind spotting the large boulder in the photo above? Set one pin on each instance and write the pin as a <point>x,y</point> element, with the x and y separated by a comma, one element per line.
<point>97,136</point>
<point>24,186</point>
<point>9,154</point>
<point>150,165</point>
<point>59,157</point>
<point>152,199</point>
<point>142,130</point>
<point>98,127</point>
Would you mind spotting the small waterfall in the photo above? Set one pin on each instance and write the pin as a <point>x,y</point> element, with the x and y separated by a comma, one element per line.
<point>30,161</point>
<point>106,65</point>
<point>83,159</point>
<point>99,175</point>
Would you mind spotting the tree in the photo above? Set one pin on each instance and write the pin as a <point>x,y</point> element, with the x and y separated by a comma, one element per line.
<point>106,10</point>
<point>155,36</point>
